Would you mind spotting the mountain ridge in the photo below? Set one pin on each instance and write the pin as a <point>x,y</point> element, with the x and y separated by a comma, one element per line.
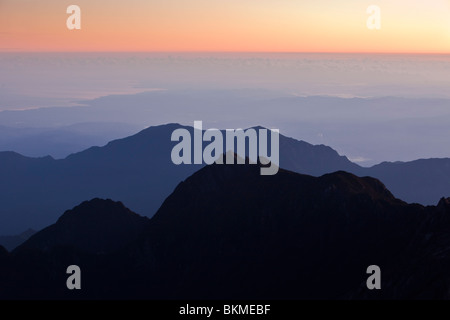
<point>226,227</point>
<point>138,171</point>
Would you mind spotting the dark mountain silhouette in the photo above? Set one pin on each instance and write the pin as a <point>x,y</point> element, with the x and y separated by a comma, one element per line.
<point>138,171</point>
<point>236,234</point>
<point>228,232</point>
<point>96,226</point>
<point>3,252</point>
<point>11,242</point>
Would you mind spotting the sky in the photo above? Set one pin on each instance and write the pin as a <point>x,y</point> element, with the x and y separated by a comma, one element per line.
<point>212,49</point>
<point>407,26</point>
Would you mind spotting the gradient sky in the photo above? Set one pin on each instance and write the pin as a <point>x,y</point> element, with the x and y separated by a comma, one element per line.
<point>414,26</point>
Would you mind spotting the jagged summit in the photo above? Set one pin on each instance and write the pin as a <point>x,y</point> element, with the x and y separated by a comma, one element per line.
<point>226,227</point>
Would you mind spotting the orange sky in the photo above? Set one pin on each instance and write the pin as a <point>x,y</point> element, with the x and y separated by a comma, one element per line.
<point>414,26</point>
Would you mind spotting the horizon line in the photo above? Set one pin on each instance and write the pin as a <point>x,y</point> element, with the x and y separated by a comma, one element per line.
<point>231,52</point>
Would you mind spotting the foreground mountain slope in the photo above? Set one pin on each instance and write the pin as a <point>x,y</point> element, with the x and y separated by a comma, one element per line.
<point>228,232</point>
<point>236,234</point>
<point>12,242</point>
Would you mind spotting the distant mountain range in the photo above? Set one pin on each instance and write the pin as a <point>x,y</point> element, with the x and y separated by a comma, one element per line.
<point>138,171</point>
<point>370,130</point>
<point>423,181</point>
<point>59,142</point>
<point>228,232</point>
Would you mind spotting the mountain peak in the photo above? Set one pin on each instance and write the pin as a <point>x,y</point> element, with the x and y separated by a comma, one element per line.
<point>95,226</point>
<point>95,209</point>
<point>352,184</point>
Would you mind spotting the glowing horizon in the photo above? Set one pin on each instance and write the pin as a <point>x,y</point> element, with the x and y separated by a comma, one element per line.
<point>283,26</point>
